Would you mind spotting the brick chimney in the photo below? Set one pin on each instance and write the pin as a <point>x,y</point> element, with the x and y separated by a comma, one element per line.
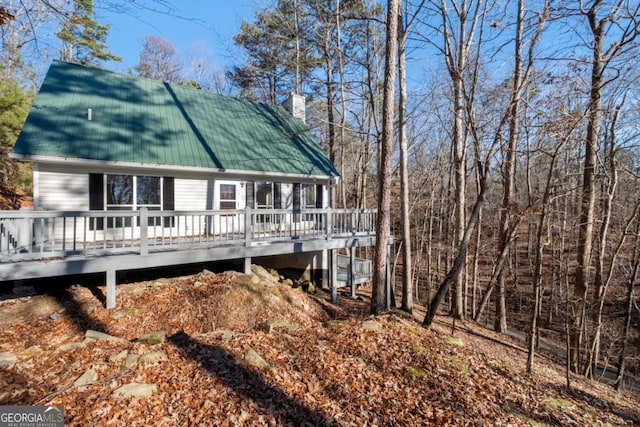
<point>295,105</point>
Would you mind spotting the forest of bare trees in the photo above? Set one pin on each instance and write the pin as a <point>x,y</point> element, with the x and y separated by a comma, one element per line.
<point>514,157</point>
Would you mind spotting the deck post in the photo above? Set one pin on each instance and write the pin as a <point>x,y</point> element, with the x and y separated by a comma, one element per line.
<point>329,224</point>
<point>351,273</point>
<point>334,276</point>
<point>247,226</point>
<point>247,265</point>
<point>111,288</point>
<point>144,223</point>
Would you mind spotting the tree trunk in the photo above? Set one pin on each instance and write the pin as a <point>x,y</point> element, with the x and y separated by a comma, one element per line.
<point>587,203</point>
<point>378,300</point>
<point>407,285</point>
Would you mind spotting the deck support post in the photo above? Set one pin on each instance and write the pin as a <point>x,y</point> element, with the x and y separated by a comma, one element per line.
<point>144,224</point>
<point>111,288</point>
<point>352,272</point>
<point>247,265</point>
<point>334,276</point>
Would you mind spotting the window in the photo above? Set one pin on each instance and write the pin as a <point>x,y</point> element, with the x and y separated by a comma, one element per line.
<point>264,195</point>
<point>227,196</point>
<point>128,192</point>
<point>308,196</point>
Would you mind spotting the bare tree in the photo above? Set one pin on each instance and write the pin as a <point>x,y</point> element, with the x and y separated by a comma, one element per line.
<point>378,298</point>
<point>601,16</point>
<point>158,60</point>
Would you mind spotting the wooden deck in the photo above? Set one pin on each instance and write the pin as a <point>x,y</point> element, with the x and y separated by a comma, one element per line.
<point>35,244</point>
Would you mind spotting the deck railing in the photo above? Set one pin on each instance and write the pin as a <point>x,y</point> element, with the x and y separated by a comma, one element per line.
<point>55,234</point>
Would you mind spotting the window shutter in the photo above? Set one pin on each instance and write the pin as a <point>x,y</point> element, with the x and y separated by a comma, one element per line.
<point>250,195</point>
<point>168,199</point>
<point>296,201</point>
<point>277,195</point>
<point>96,199</point>
<point>319,193</point>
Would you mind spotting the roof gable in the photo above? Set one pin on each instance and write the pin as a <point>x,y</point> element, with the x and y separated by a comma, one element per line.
<point>136,120</point>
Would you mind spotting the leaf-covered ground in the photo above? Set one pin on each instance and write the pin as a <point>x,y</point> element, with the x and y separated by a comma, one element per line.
<point>327,365</point>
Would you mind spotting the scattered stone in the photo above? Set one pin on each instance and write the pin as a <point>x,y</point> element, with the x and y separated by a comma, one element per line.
<point>152,338</point>
<point>307,286</point>
<point>254,359</point>
<point>72,346</point>
<point>288,282</point>
<point>255,279</point>
<point>198,284</point>
<point>89,377</point>
<point>455,341</point>
<point>270,326</point>
<point>101,336</point>
<point>221,355</point>
<point>129,312</point>
<point>30,351</point>
<point>371,325</point>
<point>227,335</point>
<point>153,357</point>
<point>131,360</point>
<point>54,316</point>
<point>206,275</point>
<point>119,357</point>
<point>415,372</point>
<point>136,390</point>
<point>264,274</point>
<point>7,359</point>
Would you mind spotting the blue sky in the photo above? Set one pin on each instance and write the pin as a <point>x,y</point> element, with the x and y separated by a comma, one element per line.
<point>186,23</point>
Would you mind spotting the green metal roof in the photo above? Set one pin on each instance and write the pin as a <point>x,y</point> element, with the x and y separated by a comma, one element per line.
<point>136,120</point>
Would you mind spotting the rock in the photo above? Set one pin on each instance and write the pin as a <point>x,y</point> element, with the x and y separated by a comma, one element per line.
<point>307,286</point>
<point>30,351</point>
<point>119,357</point>
<point>255,279</point>
<point>198,284</point>
<point>131,360</point>
<point>270,325</point>
<point>89,377</point>
<point>206,275</point>
<point>101,336</point>
<point>7,359</point>
<point>288,282</point>
<point>128,312</point>
<point>136,390</point>
<point>227,335</point>
<point>54,316</point>
<point>254,359</point>
<point>157,337</point>
<point>72,346</point>
<point>264,274</point>
<point>371,325</point>
<point>455,341</point>
<point>221,355</point>
<point>153,357</point>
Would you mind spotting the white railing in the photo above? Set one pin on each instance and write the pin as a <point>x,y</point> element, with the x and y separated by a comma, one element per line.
<point>53,234</point>
<point>362,269</point>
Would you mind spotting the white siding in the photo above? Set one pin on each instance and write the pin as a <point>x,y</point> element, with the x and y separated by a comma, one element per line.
<point>191,194</point>
<point>63,191</point>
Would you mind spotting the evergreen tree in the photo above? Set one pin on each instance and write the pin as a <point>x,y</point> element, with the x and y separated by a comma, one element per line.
<point>83,37</point>
<point>14,107</point>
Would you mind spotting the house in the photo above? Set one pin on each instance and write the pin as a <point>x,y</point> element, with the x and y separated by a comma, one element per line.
<point>112,152</point>
<point>100,140</point>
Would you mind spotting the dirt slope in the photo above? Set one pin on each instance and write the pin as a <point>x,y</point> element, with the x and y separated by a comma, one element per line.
<point>316,364</point>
